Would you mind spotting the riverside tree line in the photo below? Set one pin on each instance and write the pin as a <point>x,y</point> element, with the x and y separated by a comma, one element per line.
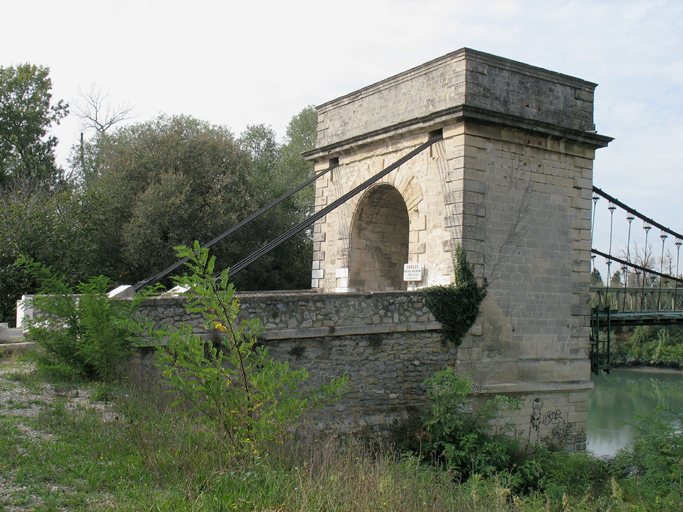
<point>131,193</point>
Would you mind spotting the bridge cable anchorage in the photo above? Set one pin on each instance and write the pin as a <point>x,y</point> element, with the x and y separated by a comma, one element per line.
<point>158,277</point>
<point>324,211</point>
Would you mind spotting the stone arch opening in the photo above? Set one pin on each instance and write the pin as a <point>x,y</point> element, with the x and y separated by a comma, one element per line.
<point>378,247</point>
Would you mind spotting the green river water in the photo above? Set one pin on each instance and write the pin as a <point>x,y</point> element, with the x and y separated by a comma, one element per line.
<point>623,394</point>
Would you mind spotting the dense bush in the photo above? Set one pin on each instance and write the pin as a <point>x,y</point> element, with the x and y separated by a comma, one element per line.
<point>476,441</point>
<point>649,345</point>
<point>81,333</point>
<point>652,470</point>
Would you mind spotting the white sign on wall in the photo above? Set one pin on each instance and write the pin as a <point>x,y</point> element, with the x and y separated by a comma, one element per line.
<point>412,272</point>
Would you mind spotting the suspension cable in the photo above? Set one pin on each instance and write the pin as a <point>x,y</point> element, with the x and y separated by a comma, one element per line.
<point>158,277</point>
<point>324,211</point>
<point>638,267</point>
<point>636,213</point>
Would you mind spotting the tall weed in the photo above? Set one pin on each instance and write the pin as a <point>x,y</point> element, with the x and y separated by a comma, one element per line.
<point>231,382</point>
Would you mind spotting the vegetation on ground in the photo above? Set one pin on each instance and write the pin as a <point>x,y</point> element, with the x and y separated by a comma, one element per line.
<point>236,388</point>
<point>80,332</point>
<point>648,345</point>
<point>99,444</point>
<point>90,446</point>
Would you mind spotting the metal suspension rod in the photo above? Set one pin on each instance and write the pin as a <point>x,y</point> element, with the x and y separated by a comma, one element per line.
<point>611,209</point>
<point>678,272</point>
<point>635,212</point>
<point>595,204</point>
<point>647,229</point>
<point>624,272</point>
<point>629,218</point>
<point>158,277</point>
<point>332,206</point>
<point>628,243</point>
<point>661,269</point>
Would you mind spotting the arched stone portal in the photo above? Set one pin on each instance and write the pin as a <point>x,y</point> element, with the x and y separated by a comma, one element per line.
<point>510,182</point>
<point>379,241</point>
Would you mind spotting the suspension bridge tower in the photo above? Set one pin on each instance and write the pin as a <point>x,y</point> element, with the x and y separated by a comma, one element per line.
<point>508,176</point>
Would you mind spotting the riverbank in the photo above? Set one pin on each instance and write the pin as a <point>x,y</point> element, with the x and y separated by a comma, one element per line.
<point>111,447</point>
<point>106,447</point>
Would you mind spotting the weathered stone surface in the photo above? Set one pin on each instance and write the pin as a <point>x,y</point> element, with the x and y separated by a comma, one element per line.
<point>511,181</point>
<point>387,361</point>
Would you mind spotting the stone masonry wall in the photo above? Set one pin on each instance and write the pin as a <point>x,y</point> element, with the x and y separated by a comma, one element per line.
<point>422,182</point>
<point>530,237</point>
<point>388,343</point>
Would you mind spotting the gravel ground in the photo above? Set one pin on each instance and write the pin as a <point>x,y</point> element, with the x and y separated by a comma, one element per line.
<point>22,399</point>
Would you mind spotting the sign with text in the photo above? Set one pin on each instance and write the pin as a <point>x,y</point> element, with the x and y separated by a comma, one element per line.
<point>412,272</point>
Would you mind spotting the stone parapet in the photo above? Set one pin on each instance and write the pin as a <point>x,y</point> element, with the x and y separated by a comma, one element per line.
<point>298,315</point>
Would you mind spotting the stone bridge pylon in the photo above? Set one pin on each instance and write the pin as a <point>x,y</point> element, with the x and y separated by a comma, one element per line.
<point>511,181</point>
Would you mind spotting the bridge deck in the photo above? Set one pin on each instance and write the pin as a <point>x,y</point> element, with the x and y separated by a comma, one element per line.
<point>619,319</point>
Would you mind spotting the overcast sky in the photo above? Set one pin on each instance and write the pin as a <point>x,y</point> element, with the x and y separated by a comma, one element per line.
<point>261,61</point>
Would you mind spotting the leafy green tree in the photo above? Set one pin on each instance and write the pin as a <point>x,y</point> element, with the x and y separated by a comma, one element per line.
<point>27,160</point>
<point>300,137</point>
<point>596,278</point>
<point>288,266</point>
<point>171,180</point>
<point>163,183</point>
<point>57,229</point>
<point>38,217</point>
<point>260,141</point>
<point>276,170</point>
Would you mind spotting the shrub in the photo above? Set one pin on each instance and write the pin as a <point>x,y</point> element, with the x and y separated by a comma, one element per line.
<point>81,333</point>
<point>468,440</point>
<point>231,381</point>
<point>464,437</point>
<point>475,441</point>
<point>652,470</point>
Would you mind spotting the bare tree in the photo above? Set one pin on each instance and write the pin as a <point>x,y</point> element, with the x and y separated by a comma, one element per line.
<point>96,112</point>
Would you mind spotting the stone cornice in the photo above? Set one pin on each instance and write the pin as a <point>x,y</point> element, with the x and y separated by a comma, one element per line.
<point>462,113</point>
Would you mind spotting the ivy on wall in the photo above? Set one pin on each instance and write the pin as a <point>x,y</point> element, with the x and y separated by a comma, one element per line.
<point>456,305</point>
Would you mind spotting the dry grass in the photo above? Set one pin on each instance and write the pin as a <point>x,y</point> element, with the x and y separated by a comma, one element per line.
<point>62,450</point>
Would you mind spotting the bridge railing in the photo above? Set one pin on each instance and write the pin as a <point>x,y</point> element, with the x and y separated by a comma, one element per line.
<point>637,299</point>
